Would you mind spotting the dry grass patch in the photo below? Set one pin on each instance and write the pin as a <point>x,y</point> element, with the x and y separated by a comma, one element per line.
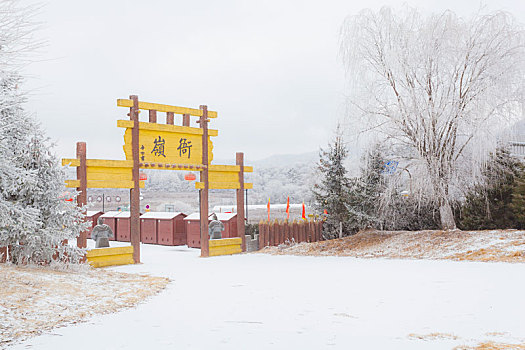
<point>33,299</point>
<point>495,245</point>
<point>492,346</point>
<point>433,336</point>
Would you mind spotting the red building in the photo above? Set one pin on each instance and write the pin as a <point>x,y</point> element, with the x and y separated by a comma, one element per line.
<point>165,228</point>
<point>123,226</point>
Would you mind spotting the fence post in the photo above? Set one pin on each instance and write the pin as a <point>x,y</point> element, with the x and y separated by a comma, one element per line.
<point>276,233</point>
<point>3,254</point>
<point>295,227</point>
<point>261,235</point>
<point>281,233</point>
<point>271,234</point>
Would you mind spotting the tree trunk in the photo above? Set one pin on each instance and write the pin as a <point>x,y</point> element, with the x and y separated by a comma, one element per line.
<point>446,216</point>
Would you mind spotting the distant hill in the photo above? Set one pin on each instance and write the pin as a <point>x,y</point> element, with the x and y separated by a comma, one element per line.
<point>279,160</point>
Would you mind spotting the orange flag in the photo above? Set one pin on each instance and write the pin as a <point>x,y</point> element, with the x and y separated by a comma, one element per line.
<point>288,209</point>
<point>268,206</point>
<point>304,212</point>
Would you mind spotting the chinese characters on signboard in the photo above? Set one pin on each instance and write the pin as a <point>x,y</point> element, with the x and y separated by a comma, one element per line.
<point>159,146</point>
<point>184,147</point>
<point>158,149</point>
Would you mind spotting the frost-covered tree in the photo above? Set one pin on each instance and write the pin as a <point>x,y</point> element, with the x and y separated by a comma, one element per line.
<point>434,84</point>
<point>34,220</point>
<point>365,195</point>
<point>517,204</point>
<point>495,202</point>
<point>331,192</point>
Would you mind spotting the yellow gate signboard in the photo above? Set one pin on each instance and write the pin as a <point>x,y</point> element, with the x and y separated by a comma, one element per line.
<point>102,173</point>
<point>225,177</point>
<point>162,143</point>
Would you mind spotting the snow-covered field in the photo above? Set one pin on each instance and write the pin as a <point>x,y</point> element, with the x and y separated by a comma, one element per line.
<point>261,301</point>
<point>35,299</point>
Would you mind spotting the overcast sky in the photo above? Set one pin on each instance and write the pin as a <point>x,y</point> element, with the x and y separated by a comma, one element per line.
<point>270,68</point>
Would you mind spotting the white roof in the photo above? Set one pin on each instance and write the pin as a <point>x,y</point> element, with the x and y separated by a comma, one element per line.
<point>220,208</point>
<point>124,214</point>
<point>110,214</point>
<point>92,212</point>
<point>160,215</point>
<point>220,216</point>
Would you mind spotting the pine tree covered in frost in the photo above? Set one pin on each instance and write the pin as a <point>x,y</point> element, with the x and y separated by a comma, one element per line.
<point>496,201</point>
<point>331,192</point>
<point>364,205</point>
<point>34,219</point>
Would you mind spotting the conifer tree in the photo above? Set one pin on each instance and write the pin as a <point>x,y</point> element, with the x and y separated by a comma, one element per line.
<point>489,204</point>
<point>517,204</point>
<point>331,192</point>
<point>364,203</point>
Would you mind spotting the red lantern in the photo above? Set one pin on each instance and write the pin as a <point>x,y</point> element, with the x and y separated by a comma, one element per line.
<point>189,177</point>
<point>68,197</point>
<point>143,177</point>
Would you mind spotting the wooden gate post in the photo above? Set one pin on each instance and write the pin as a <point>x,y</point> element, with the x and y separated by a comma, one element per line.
<point>205,251</point>
<point>82,196</point>
<point>135,191</point>
<point>3,254</point>
<point>239,157</point>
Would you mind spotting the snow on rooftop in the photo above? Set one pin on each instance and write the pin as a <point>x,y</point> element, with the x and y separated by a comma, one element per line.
<point>160,215</point>
<point>110,214</point>
<point>233,208</point>
<point>220,216</point>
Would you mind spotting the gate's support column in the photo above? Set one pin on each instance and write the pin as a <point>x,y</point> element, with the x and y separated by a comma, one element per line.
<point>205,251</point>
<point>239,157</point>
<point>135,191</point>
<point>82,196</point>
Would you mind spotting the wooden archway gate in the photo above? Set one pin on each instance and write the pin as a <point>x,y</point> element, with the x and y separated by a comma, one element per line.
<point>149,145</point>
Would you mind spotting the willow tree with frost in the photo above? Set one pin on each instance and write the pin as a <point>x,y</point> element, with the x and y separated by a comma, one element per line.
<point>435,85</point>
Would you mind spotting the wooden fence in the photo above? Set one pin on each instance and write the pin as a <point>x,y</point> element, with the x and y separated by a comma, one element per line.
<point>278,232</point>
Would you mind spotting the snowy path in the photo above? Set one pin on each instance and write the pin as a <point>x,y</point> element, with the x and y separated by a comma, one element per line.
<point>259,301</point>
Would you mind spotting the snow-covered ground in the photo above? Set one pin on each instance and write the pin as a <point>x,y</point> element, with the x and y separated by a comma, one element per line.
<point>260,301</point>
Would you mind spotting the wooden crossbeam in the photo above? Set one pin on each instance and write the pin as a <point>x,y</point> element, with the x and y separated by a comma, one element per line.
<point>224,185</point>
<point>170,166</point>
<point>104,183</point>
<point>165,108</point>
<point>229,168</point>
<point>166,127</point>
<point>73,162</point>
